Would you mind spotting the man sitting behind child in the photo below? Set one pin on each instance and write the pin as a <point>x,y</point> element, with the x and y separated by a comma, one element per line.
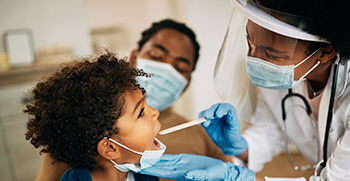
<point>92,114</point>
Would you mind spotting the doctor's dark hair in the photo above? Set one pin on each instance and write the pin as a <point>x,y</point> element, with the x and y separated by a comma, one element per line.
<point>170,24</point>
<point>328,19</point>
<point>73,108</point>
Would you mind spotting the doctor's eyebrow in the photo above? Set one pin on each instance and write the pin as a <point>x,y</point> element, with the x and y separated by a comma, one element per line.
<point>167,51</point>
<point>271,49</point>
<point>139,103</point>
<point>266,47</point>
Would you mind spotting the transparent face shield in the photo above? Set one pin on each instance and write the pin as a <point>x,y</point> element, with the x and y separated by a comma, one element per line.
<point>257,55</point>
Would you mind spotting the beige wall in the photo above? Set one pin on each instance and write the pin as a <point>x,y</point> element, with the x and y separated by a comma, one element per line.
<point>129,18</point>
<point>51,22</point>
<point>209,19</point>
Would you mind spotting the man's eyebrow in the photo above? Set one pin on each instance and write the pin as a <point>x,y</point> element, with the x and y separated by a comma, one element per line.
<point>138,103</point>
<point>162,48</point>
<point>184,60</point>
<point>167,51</point>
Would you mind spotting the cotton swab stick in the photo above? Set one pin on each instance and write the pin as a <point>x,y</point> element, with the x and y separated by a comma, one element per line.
<point>182,126</point>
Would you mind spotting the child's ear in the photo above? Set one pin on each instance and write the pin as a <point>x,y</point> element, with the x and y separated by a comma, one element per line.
<point>133,58</point>
<point>107,149</point>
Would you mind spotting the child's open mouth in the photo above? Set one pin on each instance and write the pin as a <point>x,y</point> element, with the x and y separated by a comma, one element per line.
<point>156,143</point>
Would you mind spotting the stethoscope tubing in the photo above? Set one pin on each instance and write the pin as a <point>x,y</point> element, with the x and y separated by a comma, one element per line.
<point>330,114</point>
<point>322,163</point>
<point>284,116</point>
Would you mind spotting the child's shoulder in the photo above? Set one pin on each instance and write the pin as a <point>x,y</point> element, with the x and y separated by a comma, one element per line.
<point>76,174</point>
<point>140,177</point>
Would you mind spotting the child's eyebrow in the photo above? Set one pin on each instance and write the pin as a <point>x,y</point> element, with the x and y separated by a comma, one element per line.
<point>138,104</point>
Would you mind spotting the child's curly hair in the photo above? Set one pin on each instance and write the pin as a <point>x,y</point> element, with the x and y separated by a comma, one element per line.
<point>75,107</point>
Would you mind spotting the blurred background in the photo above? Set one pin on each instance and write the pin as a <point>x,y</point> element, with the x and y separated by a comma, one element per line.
<point>38,35</point>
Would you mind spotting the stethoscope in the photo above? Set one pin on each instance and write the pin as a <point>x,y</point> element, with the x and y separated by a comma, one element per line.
<point>320,163</point>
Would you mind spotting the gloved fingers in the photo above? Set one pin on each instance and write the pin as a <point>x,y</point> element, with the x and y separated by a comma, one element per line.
<point>170,160</point>
<point>218,111</point>
<point>202,115</point>
<point>183,161</point>
<point>209,113</point>
<point>196,175</point>
<point>163,172</point>
<point>231,116</point>
<point>224,109</point>
<point>219,171</point>
<point>209,174</point>
<point>206,123</point>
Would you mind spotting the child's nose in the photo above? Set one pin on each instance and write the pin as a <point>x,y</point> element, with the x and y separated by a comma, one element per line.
<point>155,113</point>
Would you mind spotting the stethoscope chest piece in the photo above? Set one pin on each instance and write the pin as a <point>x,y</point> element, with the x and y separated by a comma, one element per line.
<point>319,168</point>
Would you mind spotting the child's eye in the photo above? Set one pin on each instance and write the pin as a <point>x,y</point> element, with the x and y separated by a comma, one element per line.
<point>141,112</point>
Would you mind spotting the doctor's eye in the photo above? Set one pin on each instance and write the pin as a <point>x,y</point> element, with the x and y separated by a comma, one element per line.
<point>141,112</point>
<point>273,57</point>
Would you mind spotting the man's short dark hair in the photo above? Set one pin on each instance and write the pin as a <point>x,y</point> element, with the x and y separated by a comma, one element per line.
<point>168,23</point>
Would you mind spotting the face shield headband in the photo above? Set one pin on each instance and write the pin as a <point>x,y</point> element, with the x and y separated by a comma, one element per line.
<point>257,32</point>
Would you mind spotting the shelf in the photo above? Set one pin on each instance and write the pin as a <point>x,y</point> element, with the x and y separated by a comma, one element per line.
<point>25,74</point>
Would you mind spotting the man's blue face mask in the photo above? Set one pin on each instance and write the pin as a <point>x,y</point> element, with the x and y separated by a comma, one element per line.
<point>268,75</point>
<point>164,87</point>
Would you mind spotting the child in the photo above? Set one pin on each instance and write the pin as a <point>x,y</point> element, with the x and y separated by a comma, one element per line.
<point>92,114</point>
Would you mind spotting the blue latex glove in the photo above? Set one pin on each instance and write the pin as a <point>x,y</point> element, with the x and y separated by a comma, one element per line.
<point>185,167</point>
<point>224,128</point>
<point>223,171</point>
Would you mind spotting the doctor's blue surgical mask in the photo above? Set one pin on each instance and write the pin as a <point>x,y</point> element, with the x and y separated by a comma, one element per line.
<point>164,87</point>
<point>268,75</point>
<point>148,158</point>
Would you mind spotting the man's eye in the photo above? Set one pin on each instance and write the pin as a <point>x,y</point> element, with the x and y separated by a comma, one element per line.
<point>141,113</point>
<point>153,57</point>
<point>183,68</point>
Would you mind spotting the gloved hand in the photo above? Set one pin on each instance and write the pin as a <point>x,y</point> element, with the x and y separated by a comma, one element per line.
<point>185,167</point>
<point>176,166</point>
<point>224,128</point>
<point>223,171</point>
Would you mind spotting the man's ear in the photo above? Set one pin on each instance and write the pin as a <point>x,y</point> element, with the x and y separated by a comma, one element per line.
<point>107,149</point>
<point>327,54</point>
<point>133,58</point>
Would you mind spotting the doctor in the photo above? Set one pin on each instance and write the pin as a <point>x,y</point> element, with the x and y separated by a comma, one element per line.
<point>294,89</point>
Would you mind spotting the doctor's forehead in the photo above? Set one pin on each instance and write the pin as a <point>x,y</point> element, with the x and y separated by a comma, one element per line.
<point>262,36</point>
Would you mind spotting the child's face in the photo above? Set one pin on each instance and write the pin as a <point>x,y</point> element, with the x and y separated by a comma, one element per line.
<point>138,126</point>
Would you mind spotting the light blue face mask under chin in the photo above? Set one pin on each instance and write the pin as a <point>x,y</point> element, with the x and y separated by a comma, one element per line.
<point>271,76</point>
<point>164,87</point>
<point>148,158</point>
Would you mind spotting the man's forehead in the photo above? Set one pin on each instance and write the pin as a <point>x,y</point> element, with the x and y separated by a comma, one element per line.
<point>173,42</point>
